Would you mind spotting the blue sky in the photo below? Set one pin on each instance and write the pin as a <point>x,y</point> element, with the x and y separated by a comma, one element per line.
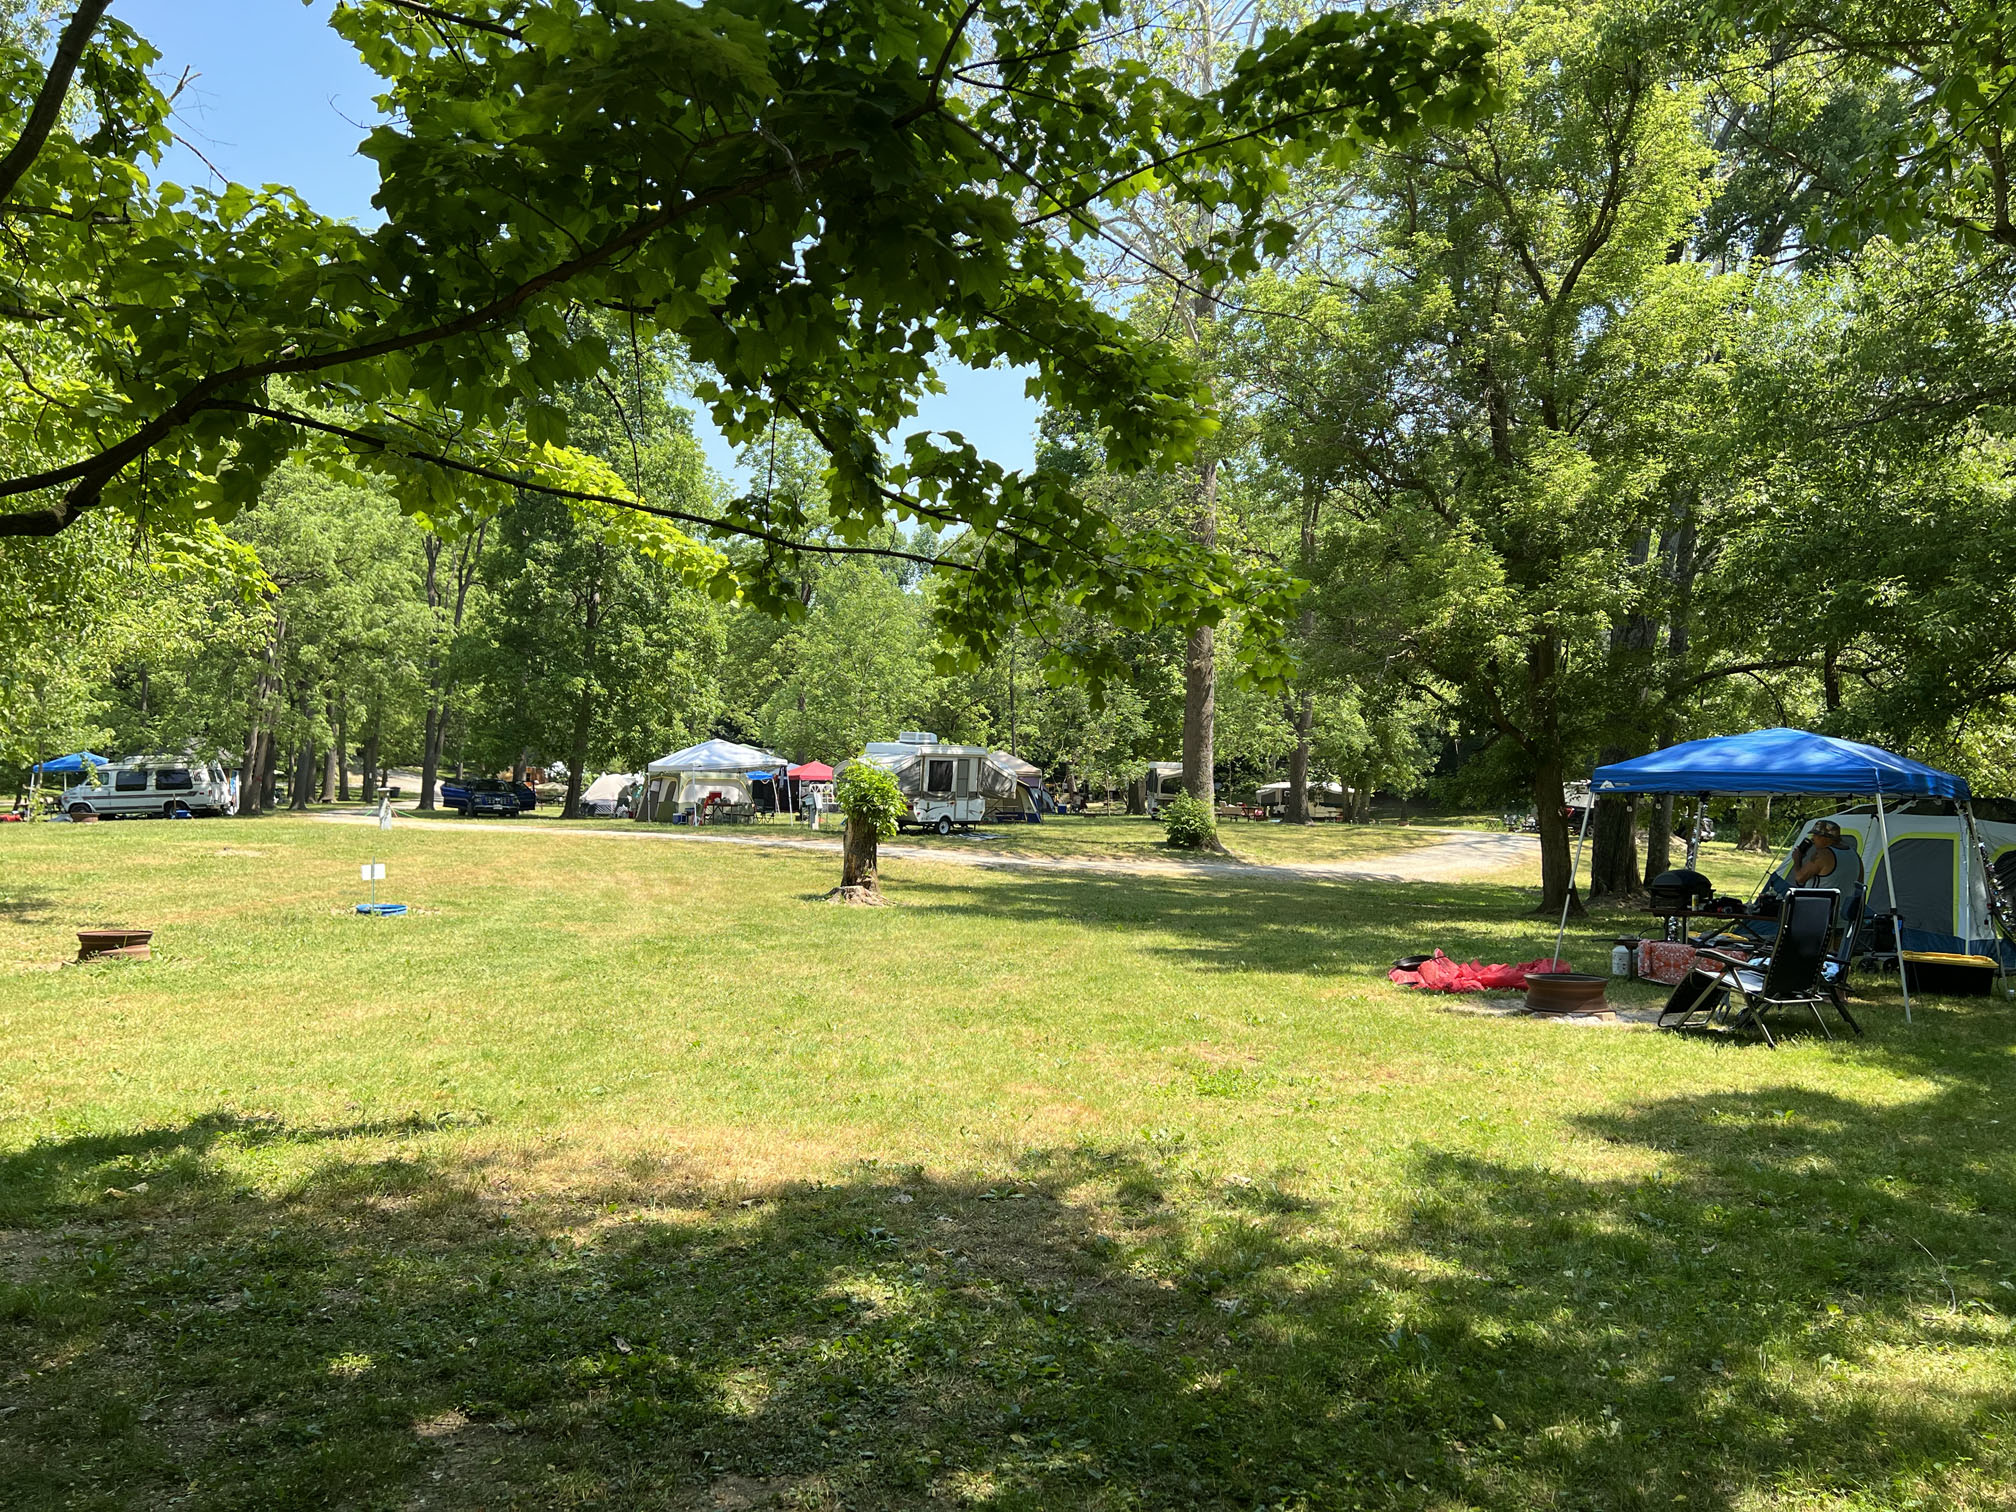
<point>278,98</point>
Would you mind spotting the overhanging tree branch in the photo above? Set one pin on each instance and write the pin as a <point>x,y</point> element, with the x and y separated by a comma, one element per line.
<point>532,485</point>
<point>55,88</point>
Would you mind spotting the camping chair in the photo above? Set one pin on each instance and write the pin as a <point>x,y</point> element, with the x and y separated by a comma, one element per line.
<point>1796,973</point>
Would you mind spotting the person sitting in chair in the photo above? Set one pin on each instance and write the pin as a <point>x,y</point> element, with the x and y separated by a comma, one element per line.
<point>1818,860</point>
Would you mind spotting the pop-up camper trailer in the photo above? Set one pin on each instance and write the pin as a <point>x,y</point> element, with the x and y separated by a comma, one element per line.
<point>1165,781</point>
<point>948,786</point>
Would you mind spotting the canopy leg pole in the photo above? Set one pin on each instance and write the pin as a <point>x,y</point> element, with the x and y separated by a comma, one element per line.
<point>1890,886</point>
<point>1694,834</point>
<point>1568,902</point>
<point>1991,892</point>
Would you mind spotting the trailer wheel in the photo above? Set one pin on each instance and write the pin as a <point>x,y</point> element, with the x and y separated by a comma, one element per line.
<point>944,826</point>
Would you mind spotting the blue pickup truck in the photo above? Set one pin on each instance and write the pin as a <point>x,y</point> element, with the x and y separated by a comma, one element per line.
<point>489,795</point>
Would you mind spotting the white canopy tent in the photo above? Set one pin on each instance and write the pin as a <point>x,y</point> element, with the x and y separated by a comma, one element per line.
<point>722,769</point>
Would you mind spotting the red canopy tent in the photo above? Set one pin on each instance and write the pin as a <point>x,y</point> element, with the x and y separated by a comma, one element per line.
<point>812,771</point>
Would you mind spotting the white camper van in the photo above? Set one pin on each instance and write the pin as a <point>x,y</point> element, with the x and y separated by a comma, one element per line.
<point>152,787</point>
<point>944,783</point>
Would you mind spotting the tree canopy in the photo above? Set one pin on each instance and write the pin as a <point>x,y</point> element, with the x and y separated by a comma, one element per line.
<point>817,202</point>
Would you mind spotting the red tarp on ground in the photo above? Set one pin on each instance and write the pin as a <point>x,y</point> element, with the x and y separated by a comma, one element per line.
<point>1440,974</point>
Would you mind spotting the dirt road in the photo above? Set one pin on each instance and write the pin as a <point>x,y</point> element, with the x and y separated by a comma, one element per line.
<point>1465,854</point>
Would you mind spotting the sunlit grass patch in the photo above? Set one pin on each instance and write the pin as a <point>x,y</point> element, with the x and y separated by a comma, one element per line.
<point>631,1175</point>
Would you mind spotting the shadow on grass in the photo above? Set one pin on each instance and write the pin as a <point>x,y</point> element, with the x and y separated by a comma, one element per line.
<point>1785,1297</point>
<point>1232,923</point>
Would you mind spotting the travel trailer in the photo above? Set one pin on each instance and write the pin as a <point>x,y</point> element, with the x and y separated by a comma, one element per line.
<point>152,787</point>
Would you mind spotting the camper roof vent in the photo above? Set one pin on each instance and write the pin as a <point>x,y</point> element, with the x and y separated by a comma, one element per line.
<point>918,737</point>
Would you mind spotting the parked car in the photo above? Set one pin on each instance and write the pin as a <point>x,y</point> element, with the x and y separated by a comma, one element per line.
<point>458,796</point>
<point>150,787</point>
<point>485,795</point>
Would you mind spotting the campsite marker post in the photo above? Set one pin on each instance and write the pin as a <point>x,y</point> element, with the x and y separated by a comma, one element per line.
<point>373,871</point>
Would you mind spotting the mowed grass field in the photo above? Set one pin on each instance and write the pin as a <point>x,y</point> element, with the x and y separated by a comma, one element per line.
<point>1111,837</point>
<point>629,1174</point>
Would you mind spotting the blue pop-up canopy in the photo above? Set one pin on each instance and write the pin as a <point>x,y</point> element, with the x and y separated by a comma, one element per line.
<point>1777,761</point>
<point>74,762</point>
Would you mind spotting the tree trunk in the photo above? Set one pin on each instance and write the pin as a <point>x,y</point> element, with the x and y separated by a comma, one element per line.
<point>302,782</point>
<point>577,753</point>
<point>1137,796</point>
<point>370,756</point>
<point>1557,844</point>
<point>1659,837</point>
<point>329,762</point>
<point>343,751</point>
<point>1200,663</point>
<point>1754,825</point>
<point>1613,848</point>
<point>249,794</point>
<point>269,772</point>
<point>858,857</point>
<point>430,757</point>
<point>1613,840</point>
<point>1298,761</point>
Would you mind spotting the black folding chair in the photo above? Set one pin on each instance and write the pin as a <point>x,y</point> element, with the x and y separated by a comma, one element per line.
<point>1796,973</point>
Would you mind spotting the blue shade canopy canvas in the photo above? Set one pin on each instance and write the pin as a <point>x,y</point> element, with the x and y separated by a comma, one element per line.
<point>74,762</point>
<point>1777,762</point>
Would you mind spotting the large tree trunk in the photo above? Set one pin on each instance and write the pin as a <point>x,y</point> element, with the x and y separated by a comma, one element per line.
<point>343,750</point>
<point>329,762</point>
<point>430,757</point>
<point>302,783</point>
<point>584,714</point>
<point>577,754</point>
<point>1659,837</point>
<point>1613,848</point>
<point>370,758</point>
<point>1200,663</point>
<point>1557,843</point>
<point>249,794</point>
<point>269,772</point>
<point>1137,796</point>
<point>1613,841</point>
<point>858,857</point>
<point>1298,761</point>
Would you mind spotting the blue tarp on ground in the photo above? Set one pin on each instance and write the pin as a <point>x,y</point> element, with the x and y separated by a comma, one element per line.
<point>1777,761</point>
<point>74,762</point>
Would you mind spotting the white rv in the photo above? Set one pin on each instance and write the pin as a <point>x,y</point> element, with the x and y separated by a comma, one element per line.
<point>152,787</point>
<point>946,784</point>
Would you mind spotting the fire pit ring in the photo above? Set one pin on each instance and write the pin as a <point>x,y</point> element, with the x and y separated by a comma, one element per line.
<point>105,944</point>
<point>1564,992</point>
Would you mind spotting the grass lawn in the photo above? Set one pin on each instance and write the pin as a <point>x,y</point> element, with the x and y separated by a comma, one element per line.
<point>1111,837</point>
<point>630,1176</point>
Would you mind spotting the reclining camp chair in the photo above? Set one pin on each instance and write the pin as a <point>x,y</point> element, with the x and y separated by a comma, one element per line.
<point>1796,973</point>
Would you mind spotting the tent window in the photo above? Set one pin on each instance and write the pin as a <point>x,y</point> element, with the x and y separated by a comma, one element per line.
<point>1172,785</point>
<point>938,776</point>
<point>1925,868</point>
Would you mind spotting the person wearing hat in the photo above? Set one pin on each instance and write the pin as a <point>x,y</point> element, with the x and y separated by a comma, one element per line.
<point>1816,860</point>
